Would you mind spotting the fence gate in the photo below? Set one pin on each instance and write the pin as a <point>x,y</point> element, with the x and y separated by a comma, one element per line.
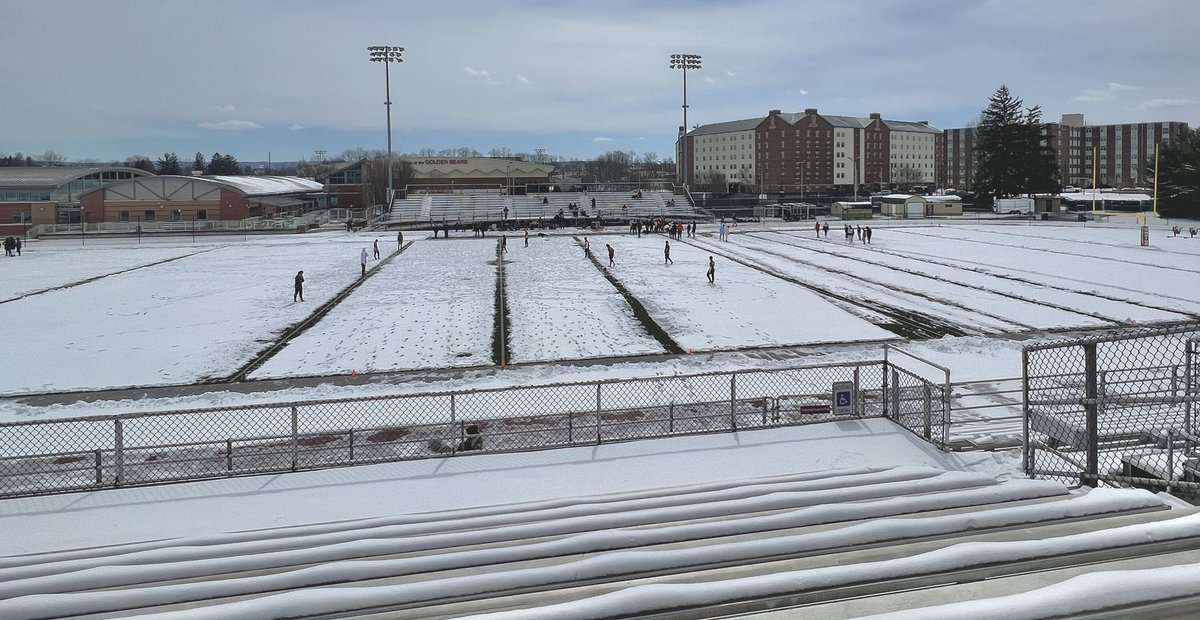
<point>916,403</point>
<point>1115,409</point>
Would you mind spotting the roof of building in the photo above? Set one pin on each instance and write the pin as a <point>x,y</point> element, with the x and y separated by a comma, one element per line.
<point>266,185</point>
<point>1086,196</point>
<point>340,167</point>
<point>857,122</point>
<point>903,197</point>
<point>853,122</point>
<point>910,126</point>
<point>54,176</point>
<point>747,124</point>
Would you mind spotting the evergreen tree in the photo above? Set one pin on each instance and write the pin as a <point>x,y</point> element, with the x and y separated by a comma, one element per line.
<point>223,165</point>
<point>1012,154</point>
<point>214,164</point>
<point>168,164</point>
<point>1041,163</point>
<point>1179,176</point>
<point>199,165</point>
<point>141,162</point>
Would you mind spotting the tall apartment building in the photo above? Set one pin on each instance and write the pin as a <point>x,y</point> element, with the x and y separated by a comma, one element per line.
<point>790,152</point>
<point>1120,151</point>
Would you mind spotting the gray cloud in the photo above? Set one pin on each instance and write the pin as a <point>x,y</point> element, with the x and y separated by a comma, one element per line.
<point>1153,104</point>
<point>235,125</point>
<point>553,74</point>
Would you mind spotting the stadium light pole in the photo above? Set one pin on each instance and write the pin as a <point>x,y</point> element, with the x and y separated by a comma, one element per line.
<point>854,166</point>
<point>387,54</point>
<point>684,62</point>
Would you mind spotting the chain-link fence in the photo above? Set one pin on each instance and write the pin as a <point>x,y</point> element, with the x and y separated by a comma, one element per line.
<point>1114,409</point>
<point>113,451</point>
<point>917,403</point>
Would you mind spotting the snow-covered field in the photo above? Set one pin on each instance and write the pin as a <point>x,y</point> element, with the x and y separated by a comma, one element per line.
<point>563,308</point>
<point>430,307</point>
<point>116,313</point>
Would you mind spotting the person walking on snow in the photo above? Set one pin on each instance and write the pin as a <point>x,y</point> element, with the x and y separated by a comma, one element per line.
<point>611,253</point>
<point>399,239</point>
<point>18,244</point>
<point>817,226</point>
<point>712,270</point>
<point>376,249</point>
<point>667,254</point>
<point>867,234</point>
<point>362,259</point>
<point>587,248</point>
<point>526,237</point>
<point>299,292</point>
<point>825,229</point>
<point>504,244</point>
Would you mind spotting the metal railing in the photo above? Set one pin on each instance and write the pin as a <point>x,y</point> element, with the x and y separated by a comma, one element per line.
<point>38,457</point>
<point>916,403</point>
<point>1116,410</point>
<point>308,220</point>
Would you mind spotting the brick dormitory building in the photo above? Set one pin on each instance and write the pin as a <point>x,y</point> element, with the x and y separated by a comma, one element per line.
<point>1123,149</point>
<point>790,152</point>
<point>795,152</point>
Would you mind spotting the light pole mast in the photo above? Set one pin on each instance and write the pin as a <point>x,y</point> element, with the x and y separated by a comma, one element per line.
<point>684,62</point>
<point>387,54</point>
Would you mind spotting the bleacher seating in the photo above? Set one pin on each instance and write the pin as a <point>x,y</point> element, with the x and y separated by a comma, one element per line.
<point>833,544</point>
<point>610,207</point>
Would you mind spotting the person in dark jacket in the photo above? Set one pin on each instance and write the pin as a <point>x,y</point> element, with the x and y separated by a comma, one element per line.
<point>299,292</point>
<point>376,249</point>
<point>611,253</point>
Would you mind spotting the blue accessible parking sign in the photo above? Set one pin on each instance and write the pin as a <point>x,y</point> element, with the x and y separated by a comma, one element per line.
<point>843,398</point>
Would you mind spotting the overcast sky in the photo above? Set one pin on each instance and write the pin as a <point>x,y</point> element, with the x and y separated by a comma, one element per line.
<point>106,80</point>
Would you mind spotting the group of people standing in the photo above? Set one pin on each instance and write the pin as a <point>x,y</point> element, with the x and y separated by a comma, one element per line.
<point>863,234</point>
<point>1175,232</point>
<point>676,230</point>
<point>11,245</point>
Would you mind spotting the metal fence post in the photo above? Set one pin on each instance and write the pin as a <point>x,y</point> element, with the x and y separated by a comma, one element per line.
<point>1027,446</point>
<point>99,470</point>
<point>883,392</point>
<point>1090,411</point>
<point>928,412</point>
<point>119,451</point>
<point>671,417</point>
<point>895,396</point>
<point>597,412</point>
<point>947,398</point>
<point>1170,458</point>
<point>732,400</point>
<point>1189,386</point>
<point>295,438</point>
<point>859,405</point>
<point>453,408</point>
<point>229,455</point>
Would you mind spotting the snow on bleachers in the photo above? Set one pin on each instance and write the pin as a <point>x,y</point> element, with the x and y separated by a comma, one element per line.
<point>408,210</point>
<point>491,207</point>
